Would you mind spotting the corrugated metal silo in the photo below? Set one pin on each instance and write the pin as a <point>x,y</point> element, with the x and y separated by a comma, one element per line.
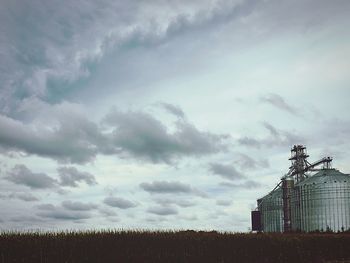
<point>322,202</point>
<point>271,208</point>
<point>304,202</point>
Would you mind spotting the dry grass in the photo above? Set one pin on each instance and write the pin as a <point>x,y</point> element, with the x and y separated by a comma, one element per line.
<point>183,246</point>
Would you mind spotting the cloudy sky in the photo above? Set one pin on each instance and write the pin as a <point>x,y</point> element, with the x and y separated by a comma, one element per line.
<point>164,114</point>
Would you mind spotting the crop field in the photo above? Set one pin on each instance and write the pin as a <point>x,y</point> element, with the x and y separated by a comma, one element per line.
<point>169,246</point>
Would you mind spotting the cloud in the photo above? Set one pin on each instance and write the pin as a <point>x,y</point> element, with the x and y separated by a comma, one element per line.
<point>21,175</point>
<point>170,187</point>
<point>119,202</point>
<point>224,202</point>
<point>28,197</point>
<point>162,210</point>
<point>166,187</point>
<point>70,176</point>
<point>332,132</point>
<point>246,162</point>
<point>275,138</point>
<point>26,220</point>
<point>78,206</point>
<point>175,110</point>
<point>273,131</point>
<point>60,213</point>
<point>70,137</point>
<point>249,184</point>
<point>179,202</point>
<point>58,52</point>
<point>107,212</point>
<point>249,141</point>
<point>226,171</point>
<point>143,136</point>
<point>64,215</point>
<point>46,207</point>
<point>279,102</point>
<point>189,217</point>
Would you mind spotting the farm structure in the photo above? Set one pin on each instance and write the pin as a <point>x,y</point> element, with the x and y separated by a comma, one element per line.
<point>306,199</point>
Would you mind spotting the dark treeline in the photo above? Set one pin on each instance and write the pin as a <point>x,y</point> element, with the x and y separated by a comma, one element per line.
<point>183,246</point>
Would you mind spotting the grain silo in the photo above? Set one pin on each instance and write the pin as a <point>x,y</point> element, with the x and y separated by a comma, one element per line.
<point>304,200</point>
<point>271,211</point>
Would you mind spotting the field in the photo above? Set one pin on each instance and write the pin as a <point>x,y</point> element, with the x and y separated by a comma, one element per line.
<point>182,246</point>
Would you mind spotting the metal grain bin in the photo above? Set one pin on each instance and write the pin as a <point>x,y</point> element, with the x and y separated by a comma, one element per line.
<point>322,202</point>
<point>271,208</point>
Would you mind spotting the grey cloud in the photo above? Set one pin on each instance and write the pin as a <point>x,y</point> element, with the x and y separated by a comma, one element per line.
<point>28,197</point>
<point>224,202</point>
<point>278,16</point>
<point>21,175</point>
<point>184,203</point>
<point>143,136</point>
<point>217,214</point>
<point>166,187</point>
<point>74,139</point>
<point>162,210</point>
<point>248,163</point>
<point>249,184</point>
<point>279,102</point>
<point>60,50</point>
<point>226,171</point>
<point>276,137</point>
<point>114,219</point>
<point>249,141</point>
<point>333,132</point>
<point>180,202</point>
<point>78,206</point>
<point>46,207</point>
<point>273,131</point>
<point>25,218</point>
<point>107,212</point>
<point>157,220</point>
<point>70,176</point>
<point>189,217</point>
<point>171,187</point>
<point>55,48</point>
<point>177,111</point>
<point>61,213</point>
<point>281,137</point>
<point>119,202</point>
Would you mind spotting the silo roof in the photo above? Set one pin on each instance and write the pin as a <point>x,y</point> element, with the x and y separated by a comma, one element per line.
<point>273,194</point>
<point>326,176</point>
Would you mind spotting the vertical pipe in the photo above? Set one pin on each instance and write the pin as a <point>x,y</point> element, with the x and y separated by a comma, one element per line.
<point>287,187</point>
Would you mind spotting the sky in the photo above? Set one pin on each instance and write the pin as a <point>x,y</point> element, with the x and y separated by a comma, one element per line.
<point>164,114</point>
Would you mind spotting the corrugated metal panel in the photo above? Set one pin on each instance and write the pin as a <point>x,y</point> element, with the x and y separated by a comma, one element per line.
<point>322,202</point>
<point>271,208</point>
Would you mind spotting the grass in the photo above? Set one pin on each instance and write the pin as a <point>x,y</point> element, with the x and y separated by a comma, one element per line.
<point>170,246</point>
